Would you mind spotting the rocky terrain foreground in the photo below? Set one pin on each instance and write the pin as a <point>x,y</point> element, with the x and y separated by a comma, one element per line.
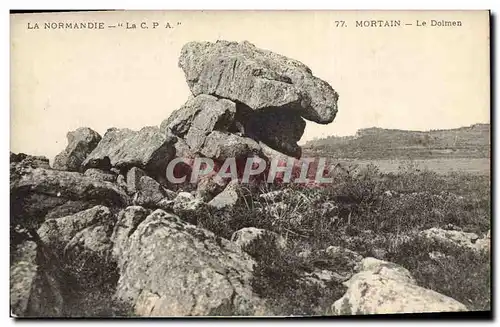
<point>102,232</point>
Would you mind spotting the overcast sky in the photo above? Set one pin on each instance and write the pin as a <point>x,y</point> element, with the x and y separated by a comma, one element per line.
<point>410,77</point>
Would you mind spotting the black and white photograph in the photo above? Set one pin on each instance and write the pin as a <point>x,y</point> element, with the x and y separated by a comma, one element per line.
<point>250,164</point>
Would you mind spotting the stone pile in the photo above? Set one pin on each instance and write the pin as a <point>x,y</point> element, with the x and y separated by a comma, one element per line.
<point>106,200</point>
<point>106,207</point>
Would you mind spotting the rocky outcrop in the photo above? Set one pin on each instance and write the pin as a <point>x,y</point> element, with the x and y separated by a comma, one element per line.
<point>38,194</point>
<point>209,186</point>
<point>175,269</point>
<point>94,239</point>
<point>383,288</point>
<point>127,222</point>
<point>484,244</point>
<point>121,181</point>
<point>90,251</point>
<point>100,175</point>
<point>22,276</point>
<point>69,185</point>
<point>254,94</point>
<point>57,233</point>
<point>227,198</point>
<point>220,146</point>
<point>133,177</point>
<point>245,101</point>
<point>148,149</point>
<point>82,244</point>
<point>80,144</point>
<point>42,192</point>
<point>199,117</point>
<point>182,150</point>
<point>149,192</point>
<point>258,78</point>
<point>69,208</point>
<point>185,205</point>
<point>455,238</point>
<point>35,290</point>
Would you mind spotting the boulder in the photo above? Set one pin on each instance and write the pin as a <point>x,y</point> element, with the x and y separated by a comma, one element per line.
<point>127,222</point>
<point>88,256</point>
<point>94,239</point>
<point>386,288</point>
<point>454,238</point>
<point>219,117</point>
<point>209,186</point>
<point>69,208</point>
<point>133,177</point>
<point>182,150</point>
<point>23,272</point>
<point>227,198</point>
<point>484,244</point>
<point>184,197</point>
<point>148,149</point>
<point>220,146</point>
<point>166,204</point>
<point>34,287</point>
<point>192,206</point>
<point>100,175</point>
<point>185,205</point>
<point>172,268</point>
<point>121,182</point>
<point>270,154</point>
<point>179,121</point>
<point>198,117</point>
<point>150,192</point>
<point>81,143</point>
<point>387,270</point>
<point>258,78</point>
<point>57,233</point>
<point>67,185</point>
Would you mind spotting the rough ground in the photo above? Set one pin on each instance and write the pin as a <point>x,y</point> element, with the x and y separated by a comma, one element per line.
<point>103,233</point>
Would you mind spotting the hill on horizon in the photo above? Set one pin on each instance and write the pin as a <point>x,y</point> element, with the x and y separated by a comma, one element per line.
<point>380,143</point>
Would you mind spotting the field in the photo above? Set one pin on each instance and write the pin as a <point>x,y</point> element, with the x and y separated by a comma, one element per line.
<point>480,166</point>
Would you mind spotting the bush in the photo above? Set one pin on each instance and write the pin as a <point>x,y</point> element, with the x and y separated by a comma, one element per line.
<point>279,278</point>
<point>460,274</point>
